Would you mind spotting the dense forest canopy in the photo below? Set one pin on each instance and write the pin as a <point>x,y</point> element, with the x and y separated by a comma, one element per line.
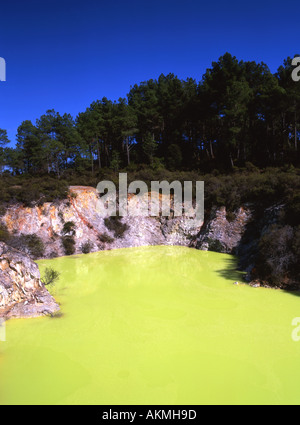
<point>239,112</point>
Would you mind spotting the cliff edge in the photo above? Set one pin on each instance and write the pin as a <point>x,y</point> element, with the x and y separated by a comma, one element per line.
<point>22,294</point>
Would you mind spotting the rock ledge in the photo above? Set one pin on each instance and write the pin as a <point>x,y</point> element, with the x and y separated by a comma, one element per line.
<point>22,294</point>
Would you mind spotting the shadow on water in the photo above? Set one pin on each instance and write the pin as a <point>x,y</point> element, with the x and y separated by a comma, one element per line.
<point>230,272</point>
<point>295,292</point>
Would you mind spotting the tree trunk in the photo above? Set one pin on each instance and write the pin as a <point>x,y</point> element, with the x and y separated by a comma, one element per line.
<point>99,155</point>
<point>128,150</point>
<point>296,136</point>
<point>211,150</point>
<point>91,152</point>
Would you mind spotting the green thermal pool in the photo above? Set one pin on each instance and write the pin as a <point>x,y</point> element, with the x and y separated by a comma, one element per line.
<point>154,325</point>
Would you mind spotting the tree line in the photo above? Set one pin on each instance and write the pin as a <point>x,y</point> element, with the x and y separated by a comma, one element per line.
<point>239,112</point>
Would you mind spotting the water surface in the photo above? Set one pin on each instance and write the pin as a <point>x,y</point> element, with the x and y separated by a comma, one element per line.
<point>154,325</point>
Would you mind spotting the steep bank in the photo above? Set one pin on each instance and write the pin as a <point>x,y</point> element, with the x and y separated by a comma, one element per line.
<point>75,226</point>
<point>267,248</point>
<point>22,294</point>
<point>51,224</point>
<point>71,226</point>
<point>221,234</point>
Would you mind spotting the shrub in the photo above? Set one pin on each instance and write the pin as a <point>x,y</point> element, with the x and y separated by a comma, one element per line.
<point>50,276</point>
<point>275,257</point>
<point>2,210</point>
<point>68,244</point>
<point>115,225</point>
<point>230,216</point>
<point>69,228</point>
<point>61,217</point>
<point>35,246</point>
<point>292,210</point>
<point>86,247</point>
<point>4,233</point>
<point>251,167</point>
<point>215,245</point>
<point>296,250</point>
<point>32,191</point>
<point>31,245</point>
<point>105,238</point>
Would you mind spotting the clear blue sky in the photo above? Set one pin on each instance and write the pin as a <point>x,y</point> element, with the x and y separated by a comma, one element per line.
<point>64,54</point>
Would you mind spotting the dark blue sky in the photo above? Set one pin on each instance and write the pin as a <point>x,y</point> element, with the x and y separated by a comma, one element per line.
<point>64,54</point>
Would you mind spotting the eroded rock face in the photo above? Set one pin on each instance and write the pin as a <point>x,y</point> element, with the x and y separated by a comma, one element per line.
<point>248,249</point>
<point>47,222</point>
<point>219,234</point>
<point>22,293</point>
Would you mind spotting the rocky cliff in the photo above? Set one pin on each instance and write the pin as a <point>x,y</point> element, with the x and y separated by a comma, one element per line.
<point>42,232</point>
<point>48,223</point>
<point>22,293</point>
<point>78,219</point>
<point>221,233</point>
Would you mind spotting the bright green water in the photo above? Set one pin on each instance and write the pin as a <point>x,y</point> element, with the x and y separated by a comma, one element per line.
<point>154,325</point>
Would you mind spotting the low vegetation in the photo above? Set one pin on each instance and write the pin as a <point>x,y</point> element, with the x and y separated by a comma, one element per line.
<point>68,244</point>
<point>115,225</point>
<point>31,245</point>
<point>105,238</point>
<point>50,276</point>
<point>4,233</point>
<point>31,190</point>
<point>86,247</point>
<point>278,257</point>
<point>69,228</point>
